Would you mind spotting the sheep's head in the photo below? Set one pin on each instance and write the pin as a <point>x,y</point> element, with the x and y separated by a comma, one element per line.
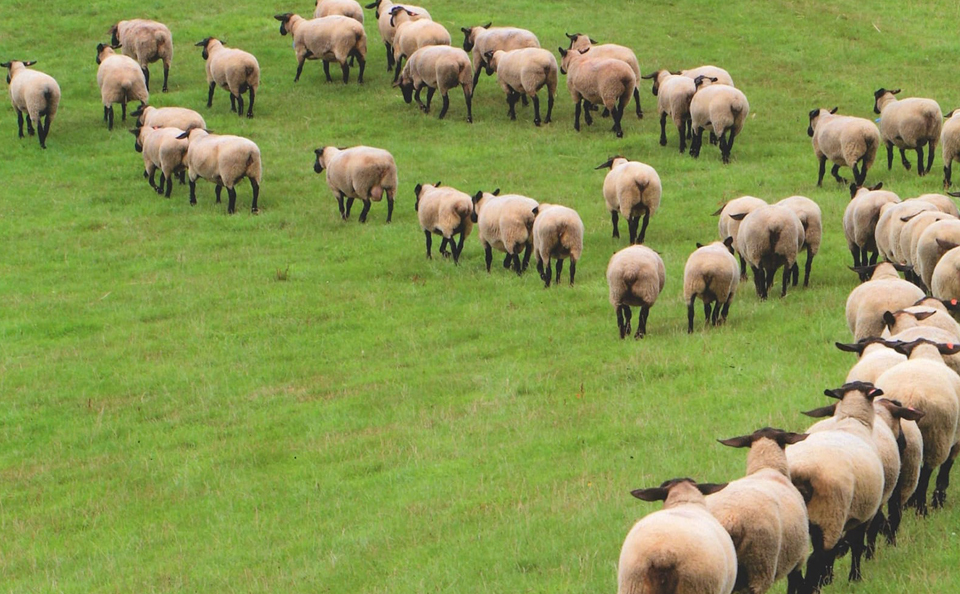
<point>677,491</point>
<point>204,43</point>
<point>13,65</point>
<point>491,60</point>
<point>609,163</point>
<point>137,145</point>
<point>657,78</point>
<point>102,51</point>
<point>478,200</point>
<point>880,94</point>
<point>321,162</point>
<point>373,5</point>
<point>405,83</point>
<point>728,242</point>
<point>780,437</point>
<point>704,81</point>
<point>400,15</point>
<point>416,194</point>
<point>855,189</point>
<point>815,119</point>
<point>114,33</point>
<point>568,56</point>
<point>284,21</point>
<point>579,41</point>
<point>470,35</point>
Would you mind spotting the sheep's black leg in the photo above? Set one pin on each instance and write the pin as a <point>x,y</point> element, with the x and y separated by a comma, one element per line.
<point>715,318</point>
<point>456,254</point>
<point>889,146</point>
<point>169,185</point>
<point>620,325</point>
<point>146,77</point>
<point>210,91</point>
<point>163,181</point>
<point>587,117</point>
<point>547,275</point>
<point>110,118</point>
<point>430,92</point>
<point>389,56</point>
<point>618,115</point>
<point>643,229</point>
<point>488,256</point>
<point>573,270</point>
<point>874,256</point>
<point>105,110</point>
<point>943,481</point>
<point>20,121</point>
<point>615,219</point>
<point>632,224</point>
<point>446,106</point>
<point>903,159</point>
<point>540,267</point>
<point>416,97</point>
<point>232,204</point>
<point>218,191</point>
<point>250,107</point>
<point>835,172</point>
<point>894,515</point>
<point>713,137</point>
<point>526,256</point>
<point>690,315</point>
<point>795,273</point>
<point>794,581</point>
<point>299,68</point>
<point>807,267</point>
<point>345,69</point>
<point>874,529</point>
<point>123,111</point>
<point>517,267</point>
<point>193,192</point>
<point>476,75</point>
<point>576,115</point>
<point>152,179</point>
<point>636,99</point>
<point>183,175</point>
<point>166,75</point>
<point>429,238</point>
<point>726,310</point>
<point>389,207</point>
<point>743,269</point>
<point>707,313</point>
<point>559,269</point>
<point>856,537</point>
<point>823,169</point>
<point>363,65</point>
<point>536,110</point>
<point>366,209</point>
<point>642,322</point>
<point>696,143</point>
<point>233,102</point>
<point>663,130</point>
<point>343,212</point>
<point>239,105</point>
<point>931,149</point>
<point>44,129</point>
<point>443,247</point>
<point>349,206</point>
<point>30,129</point>
<point>947,173</point>
<point>507,260</point>
<point>468,98</point>
<point>724,153</point>
<point>818,561</point>
<point>549,117</point>
<point>396,69</point>
<point>919,497</point>
<point>759,283</point>
<point>326,71</point>
<point>856,172</point>
<point>920,169</point>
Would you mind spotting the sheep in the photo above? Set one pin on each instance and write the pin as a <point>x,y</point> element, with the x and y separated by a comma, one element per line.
<point>168,117</point>
<point>891,224</point>
<point>234,70</point>
<point>711,273</point>
<point>631,188</point>
<point>223,160</point>
<point>523,72</point>
<point>721,107</point>
<point>860,222</point>
<point>146,42</point>
<point>347,8</point>
<point>387,30</point>
<point>885,291</point>
<point>485,38</point>
<point>933,243</point>
<point>846,141</point>
<point>874,358</point>
<point>926,316</point>
<point>840,475</point>
<point>331,39</point>
<point>162,148</point>
<point>33,92</point>
<point>414,34</point>
<point>506,223</point>
<point>680,549</point>
<point>908,124</point>
<point>769,237</point>
<point>943,203</point>
<point>729,227</point>
<point>764,514</point>
<point>579,41</point>
<point>925,383</point>
<point>812,220</point>
<point>674,93</point>
<point>945,283</point>
<point>120,80</point>
<point>910,239</point>
<point>935,334</point>
<point>594,81</point>
<point>557,233</point>
<point>358,173</point>
<point>723,77</point>
<point>636,276</point>
<point>437,67</point>
<point>445,211</point>
<point>950,144</point>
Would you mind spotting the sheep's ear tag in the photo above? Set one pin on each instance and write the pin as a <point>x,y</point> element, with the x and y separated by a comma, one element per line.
<point>874,393</point>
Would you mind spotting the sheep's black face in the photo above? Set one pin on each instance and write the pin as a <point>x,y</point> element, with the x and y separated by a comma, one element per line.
<point>114,36</point>
<point>99,51</point>
<point>317,166</point>
<point>467,38</point>
<point>407,89</point>
<point>284,19</point>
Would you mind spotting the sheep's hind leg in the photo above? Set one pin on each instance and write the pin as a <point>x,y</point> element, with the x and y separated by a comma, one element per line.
<point>210,91</point>
<point>690,314</point>
<point>250,107</point>
<point>218,191</point>
<point>146,77</point>
<point>622,324</point>
<point>795,273</point>
<point>44,129</point>
<point>835,172</point>
<point>20,121</point>
<point>903,159</point>
<point>549,117</point>
<point>856,537</point>
<point>807,267</point>
<point>794,581</point>
<point>707,313</point>
<point>166,75</point>
<point>366,209</point>
<point>193,192</point>
<point>30,129</point>
<point>636,99</point>
<point>943,480</point>
<point>576,115</point>
<point>110,117</point>
<point>430,92</point>
<point>526,257</point>
<point>642,322</point>
<point>123,111</point>
<point>874,529</point>
<point>343,214</point>
<point>232,197</point>
<point>643,229</point>
<point>446,106</point>
<point>587,118</point>
<point>726,310</point>
<point>389,206</point>
<point>443,247</point>
<point>233,102</point>
<point>326,70</point>
<point>919,497</point>
<point>920,168</point>
<point>349,206</point>
<point>299,68</point>
<point>663,130</point>
<point>632,224</point>
<point>536,111</point>
<point>559,270</point>
<point>947,174</point>
<point>615,219</point>
<point>389,56</point>
<point>429,238</point>
<point>239,105</point>
<point>345,68</point>
<point>363,64</point>
<point>573,270</point>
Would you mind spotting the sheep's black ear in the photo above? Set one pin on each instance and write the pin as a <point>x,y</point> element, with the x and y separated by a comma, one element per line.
<point>949,115</point>
<point>874,393</point>
<point>496,192</point>
<point>785,438</point>
<point>709,488</point>
<point>29,62</point>
<point>822,412</point>
<point>100,47</point>
<point>487,26</point>
<point>902,267</point>
<point>945,244</point>
<point>280,17</point>
<point>5,64</point>
<point>488,55</point>
<point>583,51</point>
<point>605,164</point>
<point>904,348</point>
<point>908,217</point>
<point>134,131</point>
<point>699,245</point>
<point>373,4</point>
<point>744,441</point>
<point>729,243</point>
<point>922,315</point>
<point>116,47</point>
<point>465,30</point>
<point>739,216</point>
<point>184,135</point>
<point>477,196</point>
<point>202,42</point>
<point>572,37</point>
<point>536,210</point>
<point>889,320</point>
<point>651,76</point>
<point>814,113</point>
<point>851,348</point>
<point>954,194</point>
<point>563,52</point>
<point>950,304</point>
<point>319,151</point>
<point>592,40</point>
<point>416,190</point>
<point>835,393</point>
<point>948,348</point>
<point>876,187</point>
<point>651,494</point>
<point>895,92</point>
<point>719,210</point>
<point>834,110</point>
<point>436,185</point>
<point>899,411</point>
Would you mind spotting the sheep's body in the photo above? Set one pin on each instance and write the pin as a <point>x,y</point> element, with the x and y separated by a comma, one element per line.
<point>945,282</point>
<point>674,93</point>
<point>612,51</point>
<point>770,237</point>
<point>164,150</point>
<point>347,8</point>
<point>923,316</point>
<point>874,360</point>
<point>438,68</point>
<point>845,141</point>
<point>635,276</point>
<point>943,203</point>
<point>723,77</point>
<point>557,233</point>
<point>890,226</point>
<point>35,93</point>
<point>505,223</point>
<point>413,35</point>
<point>908,124</point>
<point>232,69</point>
<point>631,189</point>
<point>910,236</point>
<point>950,145</point>
<point>885,291</point>
<point>938,335</point>
<point>146,42</point>
<point>169,117</point>
<point>934,242</point>
<point>523,72</point>
<point>811,218</point>
<point>911,459</point>
<point>481,40</point>
<point>120,80</point>
<point>386,26</point>
<point>444,211</point>
<point>223,160</point>
<point>331,39</point>
<point>711,273</point>
<point>860,223</point>
<point>730,227</point>
<point>595,81</point>
<point>723,109</point>
<point>681,549</point>
<point>360,173</point>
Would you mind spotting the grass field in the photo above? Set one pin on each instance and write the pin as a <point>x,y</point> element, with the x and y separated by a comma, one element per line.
<point>177,418</point>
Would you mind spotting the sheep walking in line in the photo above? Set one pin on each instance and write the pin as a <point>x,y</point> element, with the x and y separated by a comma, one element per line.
<point>557,233</point>
<point>35,93</point>
<point>146,42</point>
<point>909,124</point>
<point>844,140</point>
<point>723,109</point>
<point>811,218</point>
<point>635,276</point>
<point>413,34</point>
<point>358,173</point>
<point>632,189</point>
<point>446,212</point>
<point>674,93</point>
<point>232,69</point>
<point>711,273</point>
<point>388,30</point>
<point>727,226</point>
<point>885,291</point>
<point>522,73</point>
<point>438,68</point>
<point>120,80</point>
<point>162,149</point>
<point>578,41</point>
<point>505,223</point>
<point>860,223</point>
<point>769,237</point>
<point>331,39</point>
<point>223,160</point>
<point>594,81</point>
<point>485,38</point>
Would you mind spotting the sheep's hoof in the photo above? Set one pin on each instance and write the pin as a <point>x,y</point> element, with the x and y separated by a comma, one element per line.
<point>469,120</point>
<point>254,211</point>
<point>663,142</point>
<point>619,133</point>
<point>547,121</point>
<point>164,89</point>
<point>249,116</point>
<point>536,123</point>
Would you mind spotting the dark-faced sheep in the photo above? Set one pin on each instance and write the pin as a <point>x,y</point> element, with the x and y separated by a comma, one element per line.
<point>35,93</point>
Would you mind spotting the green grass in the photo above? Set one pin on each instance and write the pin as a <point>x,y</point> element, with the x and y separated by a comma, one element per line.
<point>175,418</point>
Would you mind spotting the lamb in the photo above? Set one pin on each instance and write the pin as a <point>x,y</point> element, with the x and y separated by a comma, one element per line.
<point>846,141</point>
<point>950,144</point>
<point>358,173</point>
<point>636,276</point>
<point>120,80</point>
<point>631,188</point>
<point>384,23</point>
<point>557,233</point>
<point>347,8</point>
<point>875,357</point>
<point>812,220</point>
<point>223,160</point>
<point>730,227</point>
<point>839,473</point>
<point>610,50</point>
<point>414,34</point>
<point>331,39</point>
<point>146,42</point>
<point>723,77</point>
<point>945,282</point>
<point>860,222</point>
<point>908,124</point>
<point>485,38</point>
<point>506,223</point>
<point>437,67</point>
<point>445,211</point>
<point>933,243</point>
<point>721,107</point>
<point>162,149</point>
<point>33,92</point>
<point>168,117</point>
<point>923,382</point>
<point>711,273</point>
<point>524,72</point>
<point>885,291</point>
<point>680,549</point>
<point>769,237</point>
<point>674,93</point>
<point>234,70</point>
<point>592,81</point>
<point>764,514</point>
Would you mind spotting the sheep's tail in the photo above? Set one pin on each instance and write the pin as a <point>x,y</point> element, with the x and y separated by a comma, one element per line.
<point>658,577</point>
<point>774,237</point>
<point>870,146</point>
<point>254,168</point>
<point>570,238</point>
<point>463,210</point>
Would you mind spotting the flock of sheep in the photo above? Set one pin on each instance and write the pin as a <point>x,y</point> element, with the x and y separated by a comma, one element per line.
<point>825,489</point>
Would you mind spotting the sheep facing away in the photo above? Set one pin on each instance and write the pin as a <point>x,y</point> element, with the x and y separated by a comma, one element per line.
<point>635,276</point>
<point>388,30</point>
<point>331,39</point>
<point>446,212</point>
<point>438,68</point>
<point>950,144</point>
<point>120,80</point>
<point>578,41</point>
<point>811,218</point>
<point>769,237</point>
<point>33,92</point>
<point>674,93</point>
<point>557,233</point>
<point>168,117</point>
<point>484,38</point>
<point>631,188</point>
<point>358,173</point>
<point>224,160</point>
<point>232,69</point>
<point>505,223</point>
<point>723,109</point>
<point>146,42</point>
<point>866,303</point>
<point>162,148</point>
<point>909,124</point>
<point>727,226</point>
<point>522,73</point>
<point>594,81</point>
<point>846,141</point>
<point>711,273</point>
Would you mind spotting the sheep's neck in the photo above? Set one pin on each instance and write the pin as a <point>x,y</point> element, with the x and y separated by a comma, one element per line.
<point>885,101</point>
<point>684,494</point>
<point>856,406</point>
<point>767,454</point>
